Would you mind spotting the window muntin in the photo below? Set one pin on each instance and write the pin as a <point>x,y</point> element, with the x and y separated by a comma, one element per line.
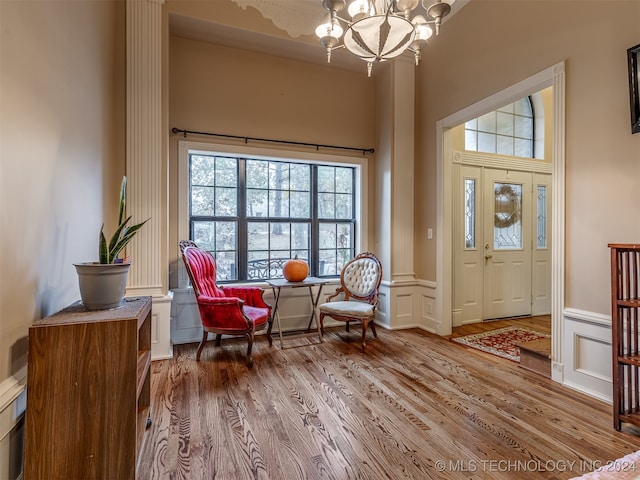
<point>260,213</point>
<point>505,131</point>
<point>219,237</point>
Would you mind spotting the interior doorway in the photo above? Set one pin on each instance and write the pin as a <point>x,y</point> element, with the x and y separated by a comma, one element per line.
<point>551,77</point>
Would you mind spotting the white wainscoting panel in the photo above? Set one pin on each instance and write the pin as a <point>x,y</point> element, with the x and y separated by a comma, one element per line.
<point>185,318</point>
<point>401,299</point>
<point>586,353</point>
<point>404,307</point>
<point>161,346</point>
<point>426,295</point>
<point>407,305</point>
<point>383,315</point>
<point>13,403</point>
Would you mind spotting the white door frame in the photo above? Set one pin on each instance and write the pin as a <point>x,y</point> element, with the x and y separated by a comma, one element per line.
<point>551,77</point>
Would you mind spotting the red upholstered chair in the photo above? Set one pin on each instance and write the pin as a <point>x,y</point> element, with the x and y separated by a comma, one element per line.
<point>224,310</point>
<point>356,298</point>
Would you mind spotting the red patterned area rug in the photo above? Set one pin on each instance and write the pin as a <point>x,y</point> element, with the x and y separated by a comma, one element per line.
<point>501,342</point>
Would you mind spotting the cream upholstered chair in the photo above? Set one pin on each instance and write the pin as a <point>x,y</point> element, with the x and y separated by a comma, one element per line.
<point>359,284</point>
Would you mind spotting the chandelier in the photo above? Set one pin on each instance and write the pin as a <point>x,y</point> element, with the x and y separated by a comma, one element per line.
<point>379,30</point>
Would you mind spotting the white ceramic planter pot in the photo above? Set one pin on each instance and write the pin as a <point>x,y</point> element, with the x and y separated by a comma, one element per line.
<point>102,286</point>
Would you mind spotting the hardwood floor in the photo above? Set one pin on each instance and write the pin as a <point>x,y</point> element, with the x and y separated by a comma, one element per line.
<point>541,323</point>
<point>414,406</point>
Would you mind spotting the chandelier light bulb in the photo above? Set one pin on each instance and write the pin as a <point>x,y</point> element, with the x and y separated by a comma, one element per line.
<point>407,6</point>
<point>423,30</point>
<point>329,34</point>
<point>329,29</point>
<point>422,33</point>
<point>359,8</point>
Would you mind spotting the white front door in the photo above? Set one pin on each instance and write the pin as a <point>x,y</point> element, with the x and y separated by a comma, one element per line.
<point>501,239</point>
<point>507,243</point>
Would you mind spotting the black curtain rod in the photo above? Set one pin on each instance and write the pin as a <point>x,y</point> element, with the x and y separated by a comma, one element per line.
<point>246,139</point>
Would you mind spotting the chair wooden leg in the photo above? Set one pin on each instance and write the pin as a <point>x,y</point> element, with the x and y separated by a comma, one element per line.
<point>249,347</point>
<point>348,323</point>
<point>322,324</point>
<point>373,329</point>
<point>269,332</point>
<point>218,339</point>
<point>205,334</point>
<point>364,333</point>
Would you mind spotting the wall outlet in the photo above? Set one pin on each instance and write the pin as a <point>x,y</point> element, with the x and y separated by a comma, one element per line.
<point>429,233</point>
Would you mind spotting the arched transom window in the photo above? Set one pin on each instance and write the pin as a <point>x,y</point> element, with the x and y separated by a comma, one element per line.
<point>509,130</point>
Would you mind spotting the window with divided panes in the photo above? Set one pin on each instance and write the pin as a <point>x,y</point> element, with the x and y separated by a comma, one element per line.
<point>254,214</point>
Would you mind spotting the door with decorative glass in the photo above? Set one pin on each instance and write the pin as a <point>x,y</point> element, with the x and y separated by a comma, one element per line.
<point>507,243</point>
<point>502,259</point>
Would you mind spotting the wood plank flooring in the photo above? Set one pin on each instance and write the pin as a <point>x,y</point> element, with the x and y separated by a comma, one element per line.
<point>541,323</point>
<point>414,406</point>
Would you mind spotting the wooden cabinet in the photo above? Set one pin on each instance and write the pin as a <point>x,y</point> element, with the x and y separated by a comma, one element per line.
<point>88,392</point>
<point>625,308</point>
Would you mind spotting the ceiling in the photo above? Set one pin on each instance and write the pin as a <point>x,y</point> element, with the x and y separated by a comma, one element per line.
<point>295,22</point>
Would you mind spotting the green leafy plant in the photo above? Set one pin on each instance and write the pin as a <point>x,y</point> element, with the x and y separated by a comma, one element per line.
<point>109,252</point>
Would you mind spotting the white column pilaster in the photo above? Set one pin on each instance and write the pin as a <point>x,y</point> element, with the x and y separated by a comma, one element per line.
<point>146,165</point>
<point>395,199</point>
<point>402,176</point>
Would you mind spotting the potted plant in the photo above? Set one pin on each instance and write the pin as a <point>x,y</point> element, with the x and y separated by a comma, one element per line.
<point>102,284</point>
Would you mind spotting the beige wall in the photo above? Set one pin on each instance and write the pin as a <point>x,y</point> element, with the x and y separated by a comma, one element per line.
<point>62,90</point>
<point>218,89</point>
<point>479,53</point>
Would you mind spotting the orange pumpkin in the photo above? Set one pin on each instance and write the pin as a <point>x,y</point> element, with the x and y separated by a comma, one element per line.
<point>295,270</point>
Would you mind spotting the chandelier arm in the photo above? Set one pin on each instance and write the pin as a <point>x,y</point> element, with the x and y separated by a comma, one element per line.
<point>343,20</point>
<point>390,9</point>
